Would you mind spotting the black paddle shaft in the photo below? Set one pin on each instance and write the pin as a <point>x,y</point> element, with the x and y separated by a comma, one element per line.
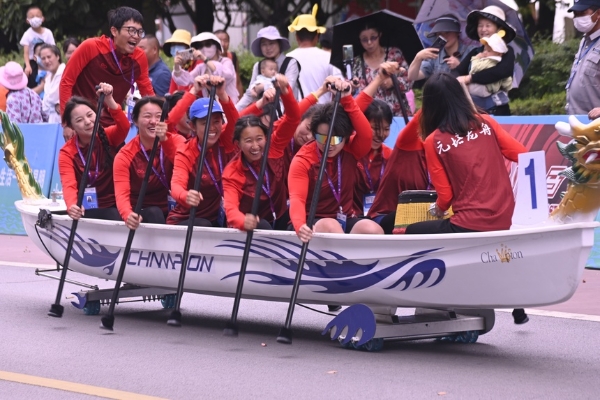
<point>231,328</point>
<point>175,319</point>
<point>56,310</point>
<point>401,97</point>
<point>285,335</point>
<point>108,320</point>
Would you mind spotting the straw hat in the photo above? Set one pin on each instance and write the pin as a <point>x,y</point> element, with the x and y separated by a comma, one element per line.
<point>494,14</point>
<point>308,22</point>
<point>180,36</point>
<point>204,36</point>
<point>12,76</point>
<point>270,33</point>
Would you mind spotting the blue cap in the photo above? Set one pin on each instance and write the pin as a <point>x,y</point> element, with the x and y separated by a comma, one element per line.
<point>582,5</point>
<point>199,108</point>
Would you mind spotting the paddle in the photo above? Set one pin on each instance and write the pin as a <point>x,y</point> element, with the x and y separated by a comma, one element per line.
<point>401,96</point>
<point>56,309</point>
<point>231,327</point>
<point>108,321</point>
<point>175,318</point>
<point>285,334</point>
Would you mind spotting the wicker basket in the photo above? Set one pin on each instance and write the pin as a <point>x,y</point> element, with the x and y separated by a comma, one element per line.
<point>413,206</point>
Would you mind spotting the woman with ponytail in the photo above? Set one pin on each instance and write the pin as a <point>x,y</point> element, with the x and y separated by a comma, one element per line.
<point>99,197</point>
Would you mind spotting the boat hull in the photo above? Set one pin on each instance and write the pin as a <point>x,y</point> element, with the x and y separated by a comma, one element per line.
<point>501,269</point>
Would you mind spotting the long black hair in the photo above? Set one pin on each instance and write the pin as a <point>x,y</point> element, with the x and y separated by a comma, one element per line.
<point>247,122</point>
<point>66,120</point>
<point>446,107</point>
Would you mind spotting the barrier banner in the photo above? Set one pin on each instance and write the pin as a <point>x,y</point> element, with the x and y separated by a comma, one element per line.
<point>40,150</point>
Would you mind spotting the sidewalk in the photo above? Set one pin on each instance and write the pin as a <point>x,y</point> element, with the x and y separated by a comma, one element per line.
<point>586,300</point>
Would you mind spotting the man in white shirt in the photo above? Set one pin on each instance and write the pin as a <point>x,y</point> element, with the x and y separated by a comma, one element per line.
<point>313,61</point>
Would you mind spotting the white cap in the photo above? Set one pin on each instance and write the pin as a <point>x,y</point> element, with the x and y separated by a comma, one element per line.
<point>495,42</point>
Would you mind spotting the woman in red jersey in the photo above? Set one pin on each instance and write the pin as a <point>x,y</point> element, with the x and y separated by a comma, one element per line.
<point>99,196</point>
<point>335,209</point>
<point>220,150</point>
<point>465,154</point>
<point>132,160</point>
<point>241,175</point>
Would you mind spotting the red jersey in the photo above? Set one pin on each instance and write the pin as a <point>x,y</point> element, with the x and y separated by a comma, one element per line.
<point>469,174</point>
<point>292,148</point>
<point>179,111</point>
<point>130,168</point>
<point>186,166</point>
<point>340,172</point>
<point>370,170</point>
<point>406,170</point>
<point>71,163</point>
<point>94,62</point>
<point>240,177</point>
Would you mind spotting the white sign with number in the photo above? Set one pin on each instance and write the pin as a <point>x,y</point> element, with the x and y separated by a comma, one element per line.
<point>531,206</point>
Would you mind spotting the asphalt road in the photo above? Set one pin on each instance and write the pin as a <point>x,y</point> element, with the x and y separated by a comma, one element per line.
<point>548,358</point>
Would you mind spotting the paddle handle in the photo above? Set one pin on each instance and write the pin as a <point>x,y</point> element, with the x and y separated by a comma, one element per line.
<point>401,96</point>
<point>190,227</point>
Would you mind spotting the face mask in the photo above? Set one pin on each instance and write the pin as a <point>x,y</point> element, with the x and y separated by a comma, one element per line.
<point>210,51</point>
<point>175,49</point>
<point>35,22</point>
<point>584,24</point>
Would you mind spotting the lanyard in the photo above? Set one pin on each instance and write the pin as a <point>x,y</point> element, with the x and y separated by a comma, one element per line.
<point>266,188</point>
<point>91,179</point>
<point>162,177</point>
<point>112,50</point>
<point>582,53</point>
<point>336,193</point>
<point>292,146</point>
<point>368,174</point>
<point>212,176</point>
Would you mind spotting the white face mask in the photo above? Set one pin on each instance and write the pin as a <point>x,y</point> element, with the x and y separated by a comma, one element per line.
<point>35,22</point>
<point>584,24</point>
<point>210,51</point>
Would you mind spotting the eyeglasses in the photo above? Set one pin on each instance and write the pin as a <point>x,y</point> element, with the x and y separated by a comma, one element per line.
<point>132,31</point>
<point>369,39</point>
<point>322,139</point>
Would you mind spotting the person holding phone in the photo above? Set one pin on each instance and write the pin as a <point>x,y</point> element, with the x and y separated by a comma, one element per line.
<point>207,47</point>
<point>445,54</point>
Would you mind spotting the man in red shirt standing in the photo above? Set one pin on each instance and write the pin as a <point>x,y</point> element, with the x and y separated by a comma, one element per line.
<point>115,60</point>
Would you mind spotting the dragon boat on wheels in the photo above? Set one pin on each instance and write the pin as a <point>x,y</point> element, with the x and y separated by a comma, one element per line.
<point>454,281</point>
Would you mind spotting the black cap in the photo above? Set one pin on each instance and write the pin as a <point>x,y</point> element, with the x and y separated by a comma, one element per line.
<point>445,23</point>
<point>582,5</point>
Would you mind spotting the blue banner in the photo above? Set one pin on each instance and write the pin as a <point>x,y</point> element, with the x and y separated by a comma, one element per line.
<point>40,150</point>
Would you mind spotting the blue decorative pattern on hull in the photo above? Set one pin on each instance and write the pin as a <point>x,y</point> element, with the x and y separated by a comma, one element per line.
<point>333,272</point>
<point>84,253</point>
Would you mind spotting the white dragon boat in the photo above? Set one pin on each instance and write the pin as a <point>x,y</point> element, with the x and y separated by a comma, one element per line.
<point>462,277</point>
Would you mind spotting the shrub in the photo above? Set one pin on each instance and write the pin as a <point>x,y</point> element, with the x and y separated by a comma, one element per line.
<point>246,60</point>
<point>548,104</point>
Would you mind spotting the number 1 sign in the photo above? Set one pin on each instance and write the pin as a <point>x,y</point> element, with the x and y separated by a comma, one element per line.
<point>531,206</point>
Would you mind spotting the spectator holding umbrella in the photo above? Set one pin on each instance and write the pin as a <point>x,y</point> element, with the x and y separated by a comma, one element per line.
<point>429,61</point>
<point>366,67</point>
<point>483,24</point>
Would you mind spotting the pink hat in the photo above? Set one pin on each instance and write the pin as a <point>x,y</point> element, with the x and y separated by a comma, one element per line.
<point>12,76</point>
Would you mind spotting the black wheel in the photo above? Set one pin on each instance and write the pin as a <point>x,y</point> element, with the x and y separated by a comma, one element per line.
<point>375,344</point>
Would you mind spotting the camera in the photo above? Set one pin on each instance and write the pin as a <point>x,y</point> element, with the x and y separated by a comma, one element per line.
<point>186,55</point>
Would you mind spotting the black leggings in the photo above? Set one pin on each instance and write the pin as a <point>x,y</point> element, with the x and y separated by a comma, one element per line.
<point>201,222</point>
<point>437,226</point>
<point>153,215</point>
<point>109,214</point>
<point>387,222</point>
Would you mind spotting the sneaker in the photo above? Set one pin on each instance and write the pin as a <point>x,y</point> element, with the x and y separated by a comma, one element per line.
<point>334,308</point>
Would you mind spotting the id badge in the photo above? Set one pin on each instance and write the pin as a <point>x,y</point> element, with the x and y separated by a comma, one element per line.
<point>368,200</point>
<point>221,215</point>
<point>341,218</point>
<point>90,198</point>
<point>170,202</point>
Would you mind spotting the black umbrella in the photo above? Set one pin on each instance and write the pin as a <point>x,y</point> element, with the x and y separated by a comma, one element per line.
<point>397,31</point>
